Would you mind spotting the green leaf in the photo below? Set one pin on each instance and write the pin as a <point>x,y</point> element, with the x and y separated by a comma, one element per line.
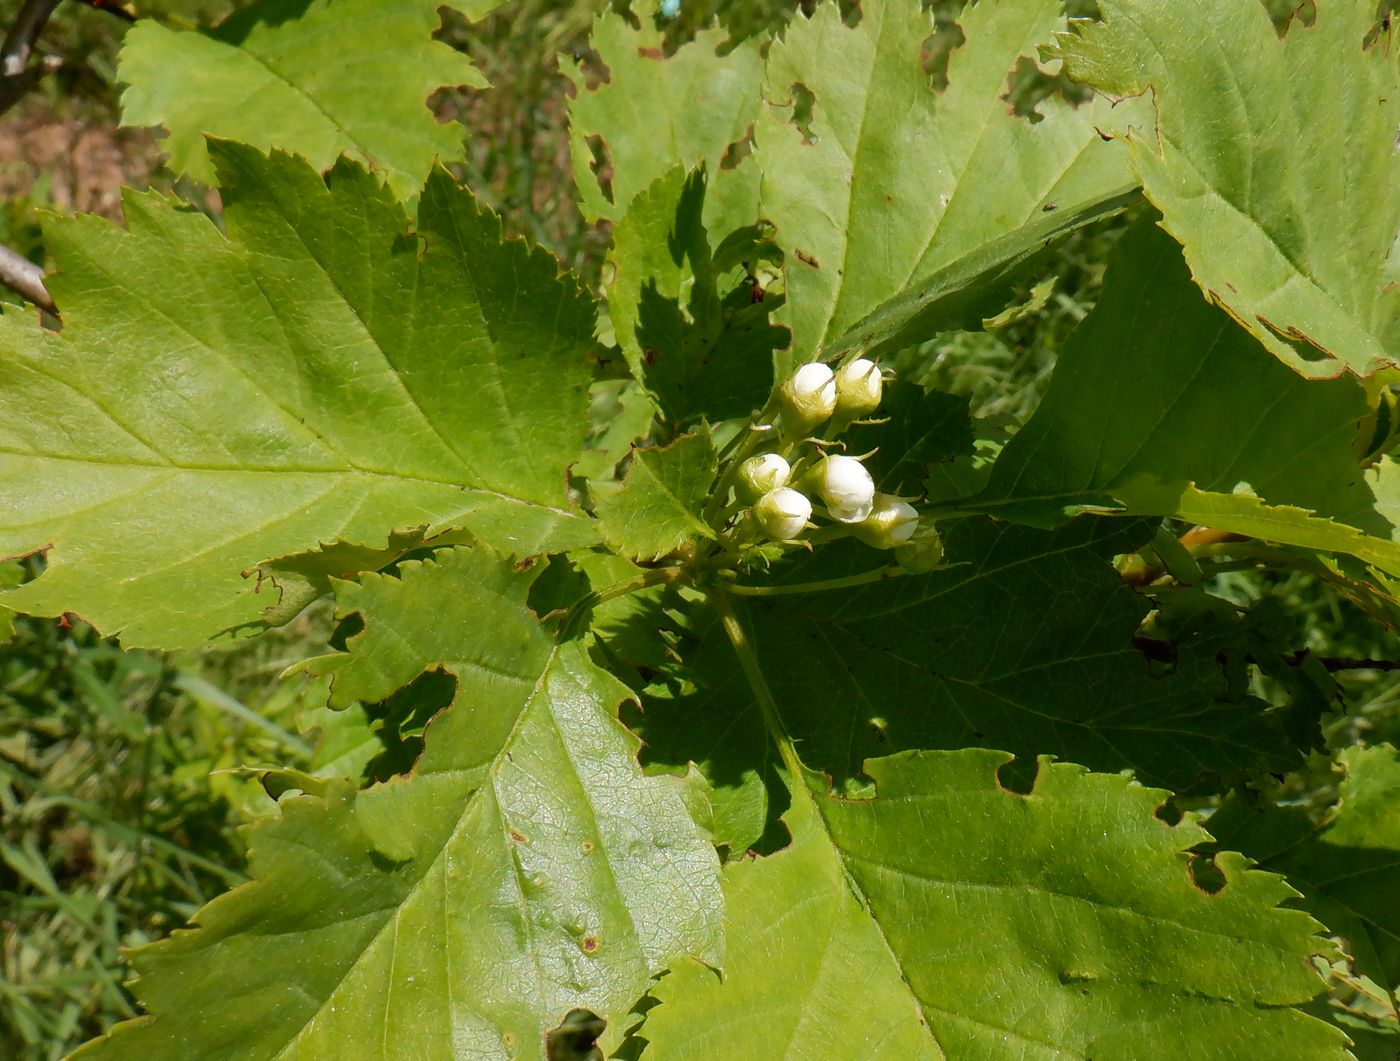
<point>1023,641</point>
<point>799,941</point>
<point>1161,405</point>
<point>316,78</point>
<point>526,868</point>
<point>889,184</point>
<point>694,104</point>
<point>1347,866</point>
<point>979,923</point>
<point>973,287</point>
<point>322,372</point>
<point>699,349</point>
<point>1282,195</point>
<point>11,574</point>
<point>658,507</point>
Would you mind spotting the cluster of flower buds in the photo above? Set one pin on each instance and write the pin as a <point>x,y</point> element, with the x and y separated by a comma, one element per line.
<point>815,394</point>
<point>782,505</point>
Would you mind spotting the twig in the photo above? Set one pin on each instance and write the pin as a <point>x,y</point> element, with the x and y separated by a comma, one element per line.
<point>16,76</point>
<point>111,7</point>
<point>13,89</point>
<point>19,42</point>
<point>18,273</point>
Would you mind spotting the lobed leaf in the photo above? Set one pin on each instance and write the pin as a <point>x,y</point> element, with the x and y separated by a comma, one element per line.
<point>889,188</point>
<point>321,372</point>
<point>1282,195</point>
<point>981,923</point>
<point>312,77</point>
<point>525,869</point>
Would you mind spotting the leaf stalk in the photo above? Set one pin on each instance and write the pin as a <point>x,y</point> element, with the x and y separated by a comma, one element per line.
<point>748,661</point>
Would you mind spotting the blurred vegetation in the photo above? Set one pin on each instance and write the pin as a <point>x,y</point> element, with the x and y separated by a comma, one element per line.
<point>124,776</point>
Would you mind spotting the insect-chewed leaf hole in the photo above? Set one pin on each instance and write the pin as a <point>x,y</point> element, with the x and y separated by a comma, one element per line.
<point>576,1038</point>
<point>1017,777</point>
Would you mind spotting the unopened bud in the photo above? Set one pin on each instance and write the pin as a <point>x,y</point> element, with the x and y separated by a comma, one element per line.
<point>858,389</point>
<point>762,474</point>
<point>783,513</point>
<point>891,522</point>
<point>846,487</point>
<point>808,398</point>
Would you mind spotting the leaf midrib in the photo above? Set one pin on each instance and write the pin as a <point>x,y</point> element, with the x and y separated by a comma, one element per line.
<point>348,469</point>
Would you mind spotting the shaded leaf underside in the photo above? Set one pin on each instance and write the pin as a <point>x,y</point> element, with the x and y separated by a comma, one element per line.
<point>1161,405</point>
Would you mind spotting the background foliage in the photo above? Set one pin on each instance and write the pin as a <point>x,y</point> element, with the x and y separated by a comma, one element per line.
<point>124,776</point>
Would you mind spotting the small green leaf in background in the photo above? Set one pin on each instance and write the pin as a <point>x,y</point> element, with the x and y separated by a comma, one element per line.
<point>980,923</point>
<point>313,77</point>
<point>1283,195</point>
<point>525,869</point>
<point>323,372</point>
<point>658,506</point>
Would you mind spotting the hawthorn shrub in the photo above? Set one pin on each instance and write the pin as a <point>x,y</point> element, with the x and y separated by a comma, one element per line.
<point>777,703</point>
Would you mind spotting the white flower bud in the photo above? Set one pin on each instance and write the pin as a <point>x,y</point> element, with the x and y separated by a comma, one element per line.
<point>809,397</point>
<point>891,522</point>
<point>761,474</point>
<point>846,487</point>
<point>782,513</point>
<point>858,389</point>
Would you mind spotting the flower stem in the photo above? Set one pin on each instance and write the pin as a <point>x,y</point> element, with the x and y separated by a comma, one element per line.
<point>880,574</point>
<point>585,604</point>
<point>718,505</point>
